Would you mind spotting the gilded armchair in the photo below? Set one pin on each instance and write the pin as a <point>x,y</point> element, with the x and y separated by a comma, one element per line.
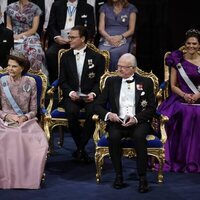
<point>57,117</point>
<point>164,90</point>
<point>155,143</point>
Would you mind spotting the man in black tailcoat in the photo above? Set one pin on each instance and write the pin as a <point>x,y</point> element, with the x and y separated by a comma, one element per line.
<point>132,105</point>
<point>80,72</point>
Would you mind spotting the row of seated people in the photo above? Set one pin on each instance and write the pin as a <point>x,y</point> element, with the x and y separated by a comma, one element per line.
<point>173,159</point>
<point>116,27</point>
<point>140,116</point>
<point>17,117</point>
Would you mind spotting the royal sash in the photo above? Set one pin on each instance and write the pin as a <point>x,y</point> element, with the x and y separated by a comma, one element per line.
<point>9,96</point>
<point>186,78</point>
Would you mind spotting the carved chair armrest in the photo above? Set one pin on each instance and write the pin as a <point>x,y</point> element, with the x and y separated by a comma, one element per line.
<point>51,91</point>
<point>96,136</point>
<point>100,128</point>
<point>158,124</point>
<point>163,92</point>
<point>43,111</point>
<point>163,120</point>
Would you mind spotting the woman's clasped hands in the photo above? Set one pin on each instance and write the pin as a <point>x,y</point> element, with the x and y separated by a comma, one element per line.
<point>191,98</point>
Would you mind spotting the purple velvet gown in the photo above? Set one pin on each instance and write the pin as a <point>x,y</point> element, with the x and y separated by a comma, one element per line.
<point>183,129</point>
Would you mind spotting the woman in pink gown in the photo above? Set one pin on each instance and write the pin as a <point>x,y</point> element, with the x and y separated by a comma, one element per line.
<point>23,144</point>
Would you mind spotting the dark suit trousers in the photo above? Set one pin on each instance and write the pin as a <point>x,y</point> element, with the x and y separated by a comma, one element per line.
<point>80,135</point>
<point>138,134</point>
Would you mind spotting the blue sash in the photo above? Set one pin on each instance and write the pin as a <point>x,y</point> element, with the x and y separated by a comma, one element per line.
<point>9,96</point>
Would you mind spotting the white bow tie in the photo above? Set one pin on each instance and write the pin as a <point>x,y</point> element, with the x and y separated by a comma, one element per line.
<point>78,52</point>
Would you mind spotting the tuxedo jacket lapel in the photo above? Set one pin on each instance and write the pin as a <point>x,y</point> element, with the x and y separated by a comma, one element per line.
<point>78,13</point>
<point>73,66</point>
<point>63,14</point>
<point>137,92</point>
<point>117,88</point>
<point>85,64</point>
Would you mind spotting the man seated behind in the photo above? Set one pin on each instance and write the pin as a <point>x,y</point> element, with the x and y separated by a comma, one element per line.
<point>80,72</point>
<point>64,15</point>
<point>132,106</point>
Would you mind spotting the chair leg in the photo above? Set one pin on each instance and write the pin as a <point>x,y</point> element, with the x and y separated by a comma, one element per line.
<point>98,163</point>
<point>61,133</point>
<point>51,144</point>
<point>152,163</point>
<point>42,180</point>
<point>160,169</point>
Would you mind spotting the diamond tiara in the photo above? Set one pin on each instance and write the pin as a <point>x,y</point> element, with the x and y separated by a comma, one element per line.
<point>18,54</point>
<point>193,31</point>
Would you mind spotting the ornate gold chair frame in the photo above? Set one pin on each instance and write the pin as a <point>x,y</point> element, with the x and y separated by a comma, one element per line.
<point>51,122</point>
<point>165,86</point>
<point>153,152</point>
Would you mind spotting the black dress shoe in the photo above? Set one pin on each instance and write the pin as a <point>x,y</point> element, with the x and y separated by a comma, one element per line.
<point>75,154</point>
<point>82,157</point>
<point>118,183</point>
<point>86,158</point>
<point>143,185</point>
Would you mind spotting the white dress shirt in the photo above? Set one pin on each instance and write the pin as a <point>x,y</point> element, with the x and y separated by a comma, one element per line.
<point>80,58</point>
<point>127,99</point>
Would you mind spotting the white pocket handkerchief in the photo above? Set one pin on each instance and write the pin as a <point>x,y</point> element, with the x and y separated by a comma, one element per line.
<point>83,16</point>
<point>91,66</point>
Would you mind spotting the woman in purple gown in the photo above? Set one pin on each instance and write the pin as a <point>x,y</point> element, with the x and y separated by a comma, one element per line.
<point>23,144</point>
<point>116,27</point>
<point>183,107</point>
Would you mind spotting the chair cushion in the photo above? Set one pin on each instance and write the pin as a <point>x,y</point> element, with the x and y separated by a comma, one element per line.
<point>60,113</point>
<point>152,142</point>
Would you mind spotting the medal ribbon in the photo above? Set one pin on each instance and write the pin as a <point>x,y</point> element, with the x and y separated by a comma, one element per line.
<point>71,10</point>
